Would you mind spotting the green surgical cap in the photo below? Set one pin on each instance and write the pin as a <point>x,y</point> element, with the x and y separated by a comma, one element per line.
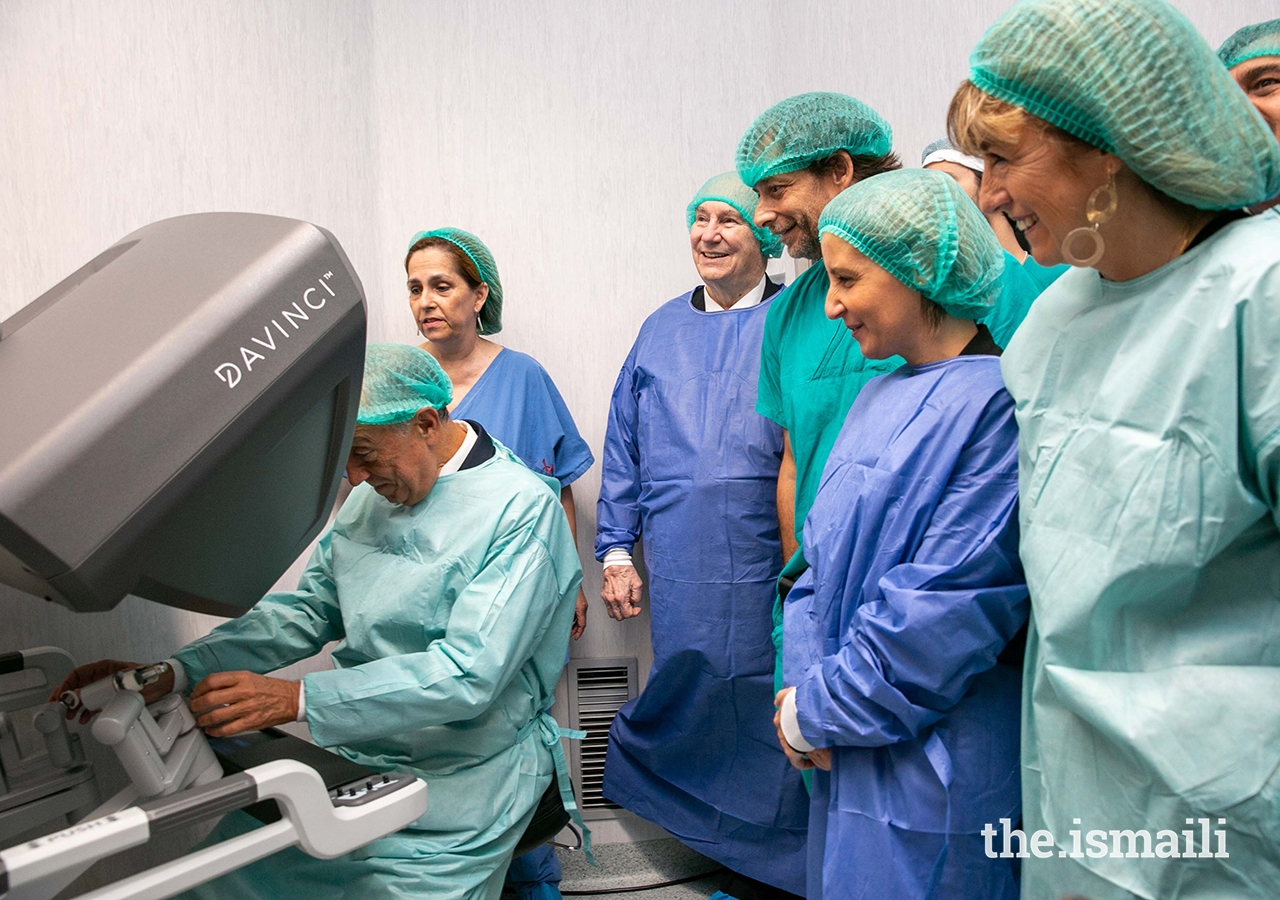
<point>728,188</point>
<point>921,228</point>
<point>491,313</point>
<point>399,380</point>
<point>801,130</point>
<point>1251,42</point>
<point>1134,78</point>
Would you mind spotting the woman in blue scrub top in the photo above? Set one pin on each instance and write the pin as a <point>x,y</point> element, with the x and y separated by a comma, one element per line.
<point>456,298</point>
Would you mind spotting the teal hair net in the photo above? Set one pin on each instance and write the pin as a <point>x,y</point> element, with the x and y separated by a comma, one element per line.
<point>399,380</point>
<point>1134,78</point>
<point>728,188</point>
<point>801,130</point>
<point>921,228</point>
<point>1251,42</point>
<point>490,321</point>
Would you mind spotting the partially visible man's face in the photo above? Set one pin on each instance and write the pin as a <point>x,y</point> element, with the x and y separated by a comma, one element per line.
<point>398,461</point>
<point>964,176</point>
<point>1260,80</point>
<point>723,245</point>
<point>790,206</point>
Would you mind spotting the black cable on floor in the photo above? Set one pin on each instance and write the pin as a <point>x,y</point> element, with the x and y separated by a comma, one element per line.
<point>643,887</point>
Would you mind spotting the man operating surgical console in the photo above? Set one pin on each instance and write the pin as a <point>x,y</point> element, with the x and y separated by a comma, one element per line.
<point>447,578</point>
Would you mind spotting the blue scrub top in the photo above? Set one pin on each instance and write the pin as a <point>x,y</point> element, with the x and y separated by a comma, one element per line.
<point>517,402</point>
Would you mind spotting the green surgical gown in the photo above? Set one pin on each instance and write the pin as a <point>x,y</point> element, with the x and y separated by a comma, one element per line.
<point>1149,417</point>
<point>811,370</point>
<point>1018,292</point>
<point>1043,275</point>
<point>452,618</point>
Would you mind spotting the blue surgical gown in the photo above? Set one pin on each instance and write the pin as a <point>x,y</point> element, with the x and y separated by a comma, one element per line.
<point>517,402</point>
<point>691,466</point>
<point>1021,286</point>
<point>1149,413</point>
<point>452,618</point>
<point>892,638</point>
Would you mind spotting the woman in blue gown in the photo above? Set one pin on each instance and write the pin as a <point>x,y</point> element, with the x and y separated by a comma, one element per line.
<point>456,298</point>
<point>902,682</point>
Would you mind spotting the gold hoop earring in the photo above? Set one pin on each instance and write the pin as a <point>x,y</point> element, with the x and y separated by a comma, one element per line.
<point>1100,207</point>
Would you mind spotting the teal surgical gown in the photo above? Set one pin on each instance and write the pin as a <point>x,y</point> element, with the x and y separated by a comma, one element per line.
<point>1018,292</point>
<point>1149,469</point>
<point>452,618</point>
<point>1043,276</point>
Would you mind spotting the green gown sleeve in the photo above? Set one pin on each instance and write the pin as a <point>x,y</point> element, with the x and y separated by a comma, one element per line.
<point>1260,388</point>
<point>282,628</point>
<point>496,623</point>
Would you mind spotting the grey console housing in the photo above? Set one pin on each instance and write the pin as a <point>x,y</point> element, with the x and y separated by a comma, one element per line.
<point>175,416</point>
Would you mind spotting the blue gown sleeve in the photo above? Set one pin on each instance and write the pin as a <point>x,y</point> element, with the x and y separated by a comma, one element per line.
<point>281,629</point>
<point>800,653</point>
<point>618,509</point>
<point>572,455</point>
<point>942,617</point>
<point>495,625</point>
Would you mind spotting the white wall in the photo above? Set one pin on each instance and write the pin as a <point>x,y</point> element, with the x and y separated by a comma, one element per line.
<point>569,135</point>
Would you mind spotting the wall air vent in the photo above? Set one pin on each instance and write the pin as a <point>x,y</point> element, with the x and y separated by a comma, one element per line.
<point>597,690</point>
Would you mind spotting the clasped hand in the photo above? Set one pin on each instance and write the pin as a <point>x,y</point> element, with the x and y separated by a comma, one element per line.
<point>813,759</point>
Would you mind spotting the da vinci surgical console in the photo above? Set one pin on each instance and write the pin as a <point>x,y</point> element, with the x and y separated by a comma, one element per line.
<point>175,417</point>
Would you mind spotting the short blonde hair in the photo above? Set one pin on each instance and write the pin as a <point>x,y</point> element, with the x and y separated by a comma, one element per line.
<point>976,121</point>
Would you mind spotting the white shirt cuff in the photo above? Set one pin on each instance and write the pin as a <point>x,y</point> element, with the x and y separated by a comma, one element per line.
<point>179,675</point>
<point>617,556</point>
<point>791,725</point>
<point>302,701</point>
